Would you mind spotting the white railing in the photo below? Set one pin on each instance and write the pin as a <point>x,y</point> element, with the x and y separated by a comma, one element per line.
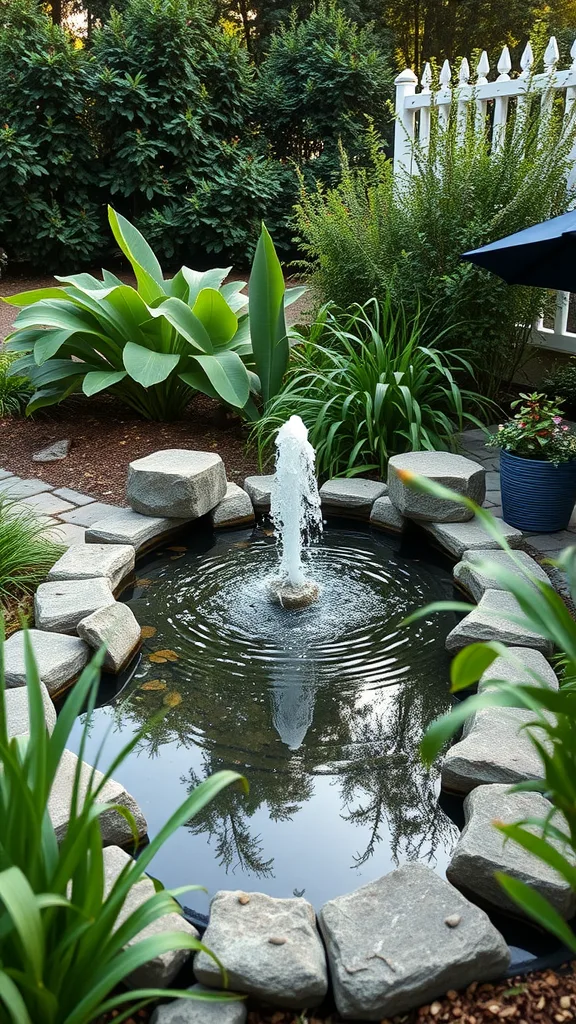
<point>413,126</point>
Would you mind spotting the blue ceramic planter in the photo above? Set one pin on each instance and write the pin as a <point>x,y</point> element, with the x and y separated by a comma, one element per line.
<point>537,496</point>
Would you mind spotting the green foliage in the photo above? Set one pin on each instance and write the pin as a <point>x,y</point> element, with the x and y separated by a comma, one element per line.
<point>62,938</point>
<point>151,346</point>
<point>560,383</point>
<point>536,431</point>
<point>367,388</point>
<point>25,553</point>
<point>14,391</point>
<point>373,235</point>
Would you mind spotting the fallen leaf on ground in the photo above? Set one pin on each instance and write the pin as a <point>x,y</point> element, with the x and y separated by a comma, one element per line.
<point>172,699</point>
<point>167,655</point>
<point>154,684</point>
<point>157,659</point>
<point>147,631</point>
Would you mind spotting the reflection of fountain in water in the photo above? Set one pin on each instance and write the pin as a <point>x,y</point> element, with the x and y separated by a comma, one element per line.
<point>292,695</point>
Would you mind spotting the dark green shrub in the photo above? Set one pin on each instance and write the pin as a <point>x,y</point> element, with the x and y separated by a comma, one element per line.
<point>560,382</point>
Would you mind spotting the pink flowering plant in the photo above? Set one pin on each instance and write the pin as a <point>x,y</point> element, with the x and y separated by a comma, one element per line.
<point>537,431</point>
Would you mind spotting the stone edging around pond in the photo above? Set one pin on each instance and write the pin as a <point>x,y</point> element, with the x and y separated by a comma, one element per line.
<point>271,947</point>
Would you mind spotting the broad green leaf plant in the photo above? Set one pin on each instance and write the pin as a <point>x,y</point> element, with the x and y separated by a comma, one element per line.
<point>153,346</point>
<point>64,947</point>
<point>552,729</point>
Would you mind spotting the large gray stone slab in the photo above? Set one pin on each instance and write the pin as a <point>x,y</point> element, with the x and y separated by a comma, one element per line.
<point>86,561</point>
<point>114,828</point>
<point>65,534</point>
<point>385,516</point>
<point>127,527</point>
<point>491,621</point>
<point>177,483</point>
<point>351,497</point>
<point>269,947</point>
<point>116,627</point>
<point>456,538</point>
<point>5,474</point>
<point>59,607</point>
<point>482,850</point>
<point>54,452</point>
<point>473,573</point>
<point>452,471</point>
<point>192,1011</point>
<point>75,497</point>
<point>59,659</point>
<point>161,971</point>
<point>495,748</point>
<point>17,716</point>
<point>259,490</point>
<point>518,668</point>
<point>234,509</point>
<point>390,946</point>
<point>15,487</point>
<point>89,514</point>
<point>47,504</point>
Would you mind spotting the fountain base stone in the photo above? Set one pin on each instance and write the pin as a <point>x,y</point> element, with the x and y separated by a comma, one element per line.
<point>293,596</point>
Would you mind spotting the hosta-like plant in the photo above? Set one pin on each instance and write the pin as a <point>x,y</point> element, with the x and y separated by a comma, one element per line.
<point>154,345</point>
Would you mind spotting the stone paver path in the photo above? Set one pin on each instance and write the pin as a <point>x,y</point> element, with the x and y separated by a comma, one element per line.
<point>66,513</point>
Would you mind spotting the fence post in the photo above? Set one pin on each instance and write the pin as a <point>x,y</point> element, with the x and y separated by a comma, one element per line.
<point>405,83</point>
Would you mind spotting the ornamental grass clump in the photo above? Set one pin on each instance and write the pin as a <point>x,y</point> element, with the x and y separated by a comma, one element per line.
<point>15,392</point>
<point>26,554</point>
<point>537,431</point>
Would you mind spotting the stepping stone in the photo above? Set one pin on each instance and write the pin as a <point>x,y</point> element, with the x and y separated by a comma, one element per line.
<point>456,538</point>
<point>15,487</point>
<point>17,715</point>
<point>73,496</point>
<point>115,829</point>
<point>259,490</point>
<point>452,471</point>
<point>489,622</point>
<point>482,850</point>
<point>59,607</point>
<point>47,504</point>
<point>191,1011</point>
<point>53,453</point>
<point>127,527</point>
<point>351,497</point>
<point>115,626</point>
<point>495,747</point>
<point>161,971</point>
<point>403,940</point>
<point>474,578</point>
<point>234,509</point>
<point>89,514</point>
<point>385,516</point>
<point>516,670</point>
<point>5,474</point>
<point>270,948</point>
<point>86,561</point>
<point>59,659</point>
<point>65,534</point>
<point>176,483</point>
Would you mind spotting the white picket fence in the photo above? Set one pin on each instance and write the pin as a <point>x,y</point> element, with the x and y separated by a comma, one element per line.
<point>495,97</point>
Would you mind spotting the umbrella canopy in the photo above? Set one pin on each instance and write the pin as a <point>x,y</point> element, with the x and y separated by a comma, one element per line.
<point>543,256</point>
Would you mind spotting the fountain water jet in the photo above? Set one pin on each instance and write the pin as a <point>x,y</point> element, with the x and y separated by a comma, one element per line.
<point>296,513</point>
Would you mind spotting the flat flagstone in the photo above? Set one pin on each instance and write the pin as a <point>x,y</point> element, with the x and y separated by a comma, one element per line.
<point>86,561</point>
<point>482,850</point>
<point>124,526</point>
<point>495,748</point>
<point>456,538</point>
<point>65,534</point>
<point>234,509</point>
<point>177,482</point>
<point>73,496</point>
<point>5,474</point>
<point>259,489</point>
<point>59,659</point>
<point>115,829</point>
<point>471,574</point>
<point>192,1011</point>
<point>87,515</point>
<point>455,472</point>
<point>15,487</point>
<point>385,516</point>
<point>517,669</point>
<point>47,504</point>
<point>17,715</point>
<point>59,607</point>
<point>489,622</point>
<point>114,626</point>
<point>351,496</point>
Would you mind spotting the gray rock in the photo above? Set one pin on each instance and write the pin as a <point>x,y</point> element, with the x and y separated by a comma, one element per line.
<point>89,514</point>
<point>128,527</point>
<point>192,1011</point>
<point>116,626</point>
<point>234,509</point>
<point>161,971</point>
<point>385,516</point>
<point>75,497</point>
<point>474,575</point>
<point>115,829</point>
<point>517,668</point>
<point>17,716</point>
<point>452,471</point>
<point>54,452</point>
<point>176,483</point>
<point>59,607</point>
<point>456,538</point>
<point>114,562</point>
<point>5,474</point>
<point>65,534</point>
<point>15,487</point>
<point>46,504</point>
<point>490,621</point>
<point>495,747</point>
<point>59,659</point>
<point>390,946</point>
<point>259,490</point>
<point>482,850</point>
<point>269,947</point>
<point>351,497</point>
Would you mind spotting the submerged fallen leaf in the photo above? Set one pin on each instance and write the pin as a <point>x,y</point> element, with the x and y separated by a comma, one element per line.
<point>147,631</point>
<point>177,547</point>
<point>154,684</point>
<point>174,558</point>
<point>167,655</point>
<point>157,659</point>
<point>172,699</point>
<point>143,583</point>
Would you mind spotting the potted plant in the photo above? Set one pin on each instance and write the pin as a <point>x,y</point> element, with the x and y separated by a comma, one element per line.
<point>537,465</point>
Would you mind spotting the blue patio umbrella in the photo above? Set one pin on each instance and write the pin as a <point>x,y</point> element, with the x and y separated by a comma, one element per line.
<point>543,255</point>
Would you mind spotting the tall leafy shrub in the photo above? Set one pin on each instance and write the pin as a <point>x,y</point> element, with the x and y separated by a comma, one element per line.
<point>374,235</point>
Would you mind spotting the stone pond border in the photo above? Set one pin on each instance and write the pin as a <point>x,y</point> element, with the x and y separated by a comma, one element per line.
<point>272,947</point>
